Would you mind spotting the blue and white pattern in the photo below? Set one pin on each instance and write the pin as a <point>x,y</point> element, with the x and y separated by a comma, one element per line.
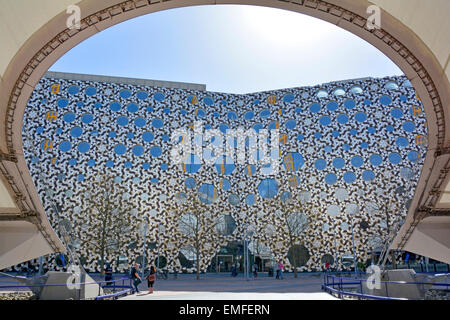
<point>351,144</point>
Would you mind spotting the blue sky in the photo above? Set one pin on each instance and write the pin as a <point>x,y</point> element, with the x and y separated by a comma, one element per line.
<point>234,49</point>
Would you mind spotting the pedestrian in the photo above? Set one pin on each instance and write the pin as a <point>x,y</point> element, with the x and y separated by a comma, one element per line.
<point>135,276</point>
<point>255,270</point>
<point>151,277</point>
<point>280,268</point>
<point>277,270</point>
<point>233,271</point>
<point>327,266</point>
<point>108,274</point>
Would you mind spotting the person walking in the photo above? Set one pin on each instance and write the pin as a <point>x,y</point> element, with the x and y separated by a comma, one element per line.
<point>108,275</point>
<point>233,271</point>
<point>277,271</point>
<point>151,277</point>
<point>135,276</point>
<point>280,268</point>
<point>255,270</point>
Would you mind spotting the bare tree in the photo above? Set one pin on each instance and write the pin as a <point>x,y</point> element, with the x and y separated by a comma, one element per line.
<point>108,217</point>
<point>199,224</point>
<point>293,212</point>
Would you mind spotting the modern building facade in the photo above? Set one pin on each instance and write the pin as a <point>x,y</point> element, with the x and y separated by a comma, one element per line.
<point>348,154</point>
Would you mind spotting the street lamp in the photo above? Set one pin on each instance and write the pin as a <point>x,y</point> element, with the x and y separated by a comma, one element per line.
<point>145,248</point>
<point>246,252</point>
<point>159,245</point>
<point>352,212</point>
<point>335,245</point>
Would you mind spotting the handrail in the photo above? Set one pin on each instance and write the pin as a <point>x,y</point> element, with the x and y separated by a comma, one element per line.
<point>102,284</point>
<point>114,295</point>
<point>333,280</point>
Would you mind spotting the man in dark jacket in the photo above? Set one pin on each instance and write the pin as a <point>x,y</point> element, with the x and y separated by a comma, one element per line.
<point>135,276</point>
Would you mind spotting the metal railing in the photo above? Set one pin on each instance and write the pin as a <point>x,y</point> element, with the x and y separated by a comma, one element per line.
<point>340,283</point>
<point>106,284</point>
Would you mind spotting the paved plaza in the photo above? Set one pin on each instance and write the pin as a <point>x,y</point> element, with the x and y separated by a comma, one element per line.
<point>225,287</point>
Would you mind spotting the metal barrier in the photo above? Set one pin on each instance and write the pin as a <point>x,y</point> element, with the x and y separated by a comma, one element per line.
<point>339,280</point>
<point>106,284</point>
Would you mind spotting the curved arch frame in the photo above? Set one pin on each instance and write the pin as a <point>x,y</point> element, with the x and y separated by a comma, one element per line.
<point>54,39</point>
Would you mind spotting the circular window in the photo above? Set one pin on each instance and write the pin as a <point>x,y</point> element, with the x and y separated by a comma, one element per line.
<point>330,178</point>
<point>207,193</point>
<point>65,146</point>
<point>84,147</point>
<point>232,115</point>
<point>148,136</point>
<point>360,117</point>
<point>138,150</point>
<point>356,90</point>
<point>190,183</point>
<point>132,107</point>
<point>233,200</point>
<point>125,94</point>
<point>73,89</point>
<point>322,94</point>
<point>338,163</point>
<point>332,106</point>
<point>159,96</point>
<point>413,156</point>
<point>314,108</point>
<point>91,91</point>
<point>257,127</point>
<point>115,106</point>
<point>265,113</point>
<point>385,100</point>
<point>368,175</point>
<point>325,120</point>
<point>249,115</point>
<point>333,210</point>
<point>350,104</point>
<point>250,199</point>
<point>357,161</point>
<point>87,118</point>
<point>157,123</point>
<point>288,98</point>
<point>268,188</point>
<point>208,101</point>
<point>391,86</point>
<point>342,118</point>
<point>401,142</point>
<point>155,151</point>
<point>339,92</point>
<point>69,117</point>
<point>290,124</point>
<point>225,165</point>
<point>349,177</point>
<point>376,159</point>
<point>120,149</point>
<point>397,113</point>
<point>408,126</point>
<point>320,164</point>
<point>142,95</point>
<point>395,158</point>
<point>140,122</point>
<point>341,194</point>
<point>62,103</point>
<point>76,132</point>
<point>122,121</point>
